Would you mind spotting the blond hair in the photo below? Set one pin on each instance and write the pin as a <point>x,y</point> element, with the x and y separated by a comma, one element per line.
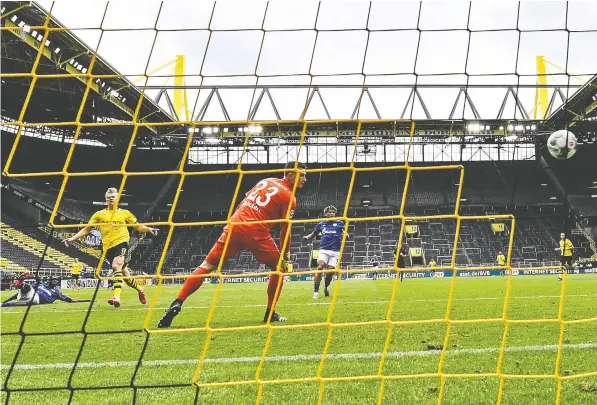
<point>111,191</point>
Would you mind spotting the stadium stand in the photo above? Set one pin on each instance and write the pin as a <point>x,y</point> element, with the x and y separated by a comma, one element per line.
<point>487,190</point>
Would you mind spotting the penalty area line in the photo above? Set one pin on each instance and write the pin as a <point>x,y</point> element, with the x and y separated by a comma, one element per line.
<point>299,357</point>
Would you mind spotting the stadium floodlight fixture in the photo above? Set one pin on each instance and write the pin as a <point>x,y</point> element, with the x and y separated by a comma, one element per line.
<point>474,127</point>
<point>510,127</point>
<point>207,130</point>
<point>214,129</point>
<point>501,127</point>
<point>533,127</point>
<point>256,129</point>
<point>225,129</point>
<point>519,128</point>
<point>246,129</point>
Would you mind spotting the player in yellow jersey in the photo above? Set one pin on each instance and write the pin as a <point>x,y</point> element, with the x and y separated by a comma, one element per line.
<point>75,272</point>
<point>432,265</point>
<point>501,260</point>
<point>565,249</point>
<point>112,223</point>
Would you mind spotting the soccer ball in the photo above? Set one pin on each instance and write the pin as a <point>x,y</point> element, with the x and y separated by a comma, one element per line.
<point>557,142</point>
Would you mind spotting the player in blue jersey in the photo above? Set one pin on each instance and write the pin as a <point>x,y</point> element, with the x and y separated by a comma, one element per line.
<point>329,248</point>
<point>38,293</point>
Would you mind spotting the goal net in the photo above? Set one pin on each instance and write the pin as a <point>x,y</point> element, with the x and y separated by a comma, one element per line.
<point>194,104</point>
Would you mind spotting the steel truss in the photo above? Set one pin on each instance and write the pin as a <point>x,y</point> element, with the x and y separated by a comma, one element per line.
<point>463,105</point>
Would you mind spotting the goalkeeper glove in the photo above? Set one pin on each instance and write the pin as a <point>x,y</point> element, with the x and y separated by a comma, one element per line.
<point>286,265</point>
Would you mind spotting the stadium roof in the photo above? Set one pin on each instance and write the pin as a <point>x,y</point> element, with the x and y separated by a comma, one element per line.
<point>579,112</point>
<point>111,99</point>
<point>114,99</point>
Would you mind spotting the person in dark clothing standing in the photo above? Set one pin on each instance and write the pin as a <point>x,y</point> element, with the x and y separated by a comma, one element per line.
<point>401,264</point>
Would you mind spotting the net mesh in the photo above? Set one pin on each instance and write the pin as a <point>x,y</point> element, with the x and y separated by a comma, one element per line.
<point>366,36</point>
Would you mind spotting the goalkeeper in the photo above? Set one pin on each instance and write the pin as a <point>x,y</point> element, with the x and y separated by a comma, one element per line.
<point>39,293</point>
<point>267,200</point>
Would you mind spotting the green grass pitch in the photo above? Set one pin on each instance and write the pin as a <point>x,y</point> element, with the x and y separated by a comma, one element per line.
<point>171,358</point>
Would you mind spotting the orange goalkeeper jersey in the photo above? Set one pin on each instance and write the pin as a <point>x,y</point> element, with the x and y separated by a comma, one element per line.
<point>267,200</point>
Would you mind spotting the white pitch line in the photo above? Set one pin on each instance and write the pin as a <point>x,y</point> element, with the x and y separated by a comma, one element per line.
<point>300,357</point>
<point>305,304</point>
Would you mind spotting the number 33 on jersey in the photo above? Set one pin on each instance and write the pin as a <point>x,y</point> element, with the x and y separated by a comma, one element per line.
<point>269,199</point>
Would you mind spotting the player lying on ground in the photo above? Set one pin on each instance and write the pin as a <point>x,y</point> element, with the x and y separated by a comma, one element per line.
<point>268,200</point>
<point>329,248</point>
<point>566,248</point>
<point>115,242</point>
<point>38,293</point>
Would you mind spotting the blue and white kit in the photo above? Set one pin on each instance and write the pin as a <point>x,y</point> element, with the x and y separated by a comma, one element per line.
<point>331,240</point>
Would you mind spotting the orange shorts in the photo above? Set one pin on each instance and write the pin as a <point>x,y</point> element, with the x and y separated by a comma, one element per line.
<point>264,249</point>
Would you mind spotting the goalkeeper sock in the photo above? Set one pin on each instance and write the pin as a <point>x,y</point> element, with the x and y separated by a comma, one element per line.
<point>117,283</point>
<point>272,286</point>
<point>328,280</point>
<point>191,285</point>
